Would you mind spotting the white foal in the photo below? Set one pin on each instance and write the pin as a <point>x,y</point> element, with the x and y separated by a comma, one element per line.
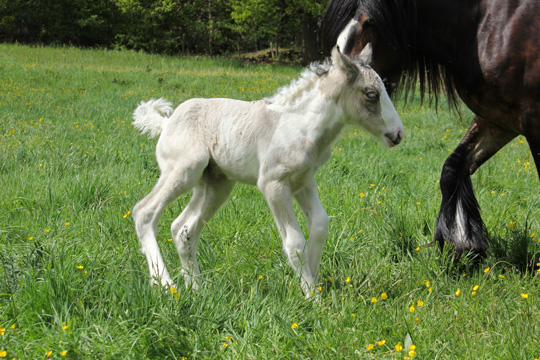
<point>276,144</point>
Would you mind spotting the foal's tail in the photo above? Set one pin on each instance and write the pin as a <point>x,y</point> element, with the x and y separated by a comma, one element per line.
<point>149,117</point>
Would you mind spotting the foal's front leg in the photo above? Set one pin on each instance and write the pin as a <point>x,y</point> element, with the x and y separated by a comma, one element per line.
<point>279,198</point>
<point>318,223</point>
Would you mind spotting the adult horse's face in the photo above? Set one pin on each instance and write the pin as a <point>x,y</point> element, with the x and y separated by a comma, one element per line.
<point>359,32</point>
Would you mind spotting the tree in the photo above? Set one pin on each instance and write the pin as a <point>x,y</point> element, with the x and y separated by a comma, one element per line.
<point>273,19</point>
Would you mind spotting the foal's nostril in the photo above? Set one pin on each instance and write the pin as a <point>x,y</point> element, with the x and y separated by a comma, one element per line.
<point>395,138</point>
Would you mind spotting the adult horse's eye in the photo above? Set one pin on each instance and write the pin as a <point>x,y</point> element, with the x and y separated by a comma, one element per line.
<point>372,95</point>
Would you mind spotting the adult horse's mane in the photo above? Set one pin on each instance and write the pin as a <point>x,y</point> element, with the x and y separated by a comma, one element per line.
<point>396,22</point>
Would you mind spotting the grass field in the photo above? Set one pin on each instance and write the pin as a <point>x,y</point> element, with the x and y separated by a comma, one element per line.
<point>73,283</point>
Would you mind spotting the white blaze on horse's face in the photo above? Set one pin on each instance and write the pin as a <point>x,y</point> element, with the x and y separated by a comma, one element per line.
<point>365,100</point>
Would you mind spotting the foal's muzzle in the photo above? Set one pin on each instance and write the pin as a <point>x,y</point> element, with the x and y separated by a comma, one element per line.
<point>394,138</point>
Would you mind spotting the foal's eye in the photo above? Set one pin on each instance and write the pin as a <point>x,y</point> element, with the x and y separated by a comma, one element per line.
<point>372,95</point>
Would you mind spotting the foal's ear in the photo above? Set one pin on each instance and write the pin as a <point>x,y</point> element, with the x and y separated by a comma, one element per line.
<point>345,63</point>
<point>366,55</point>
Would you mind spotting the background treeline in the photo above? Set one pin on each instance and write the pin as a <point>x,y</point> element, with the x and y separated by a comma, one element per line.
<point>167,26</point>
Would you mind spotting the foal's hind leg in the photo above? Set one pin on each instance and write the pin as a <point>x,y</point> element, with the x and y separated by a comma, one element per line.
<point>459,218</point>
<point>174,180</point>
<point>317,224</point>
<point>208,196</point>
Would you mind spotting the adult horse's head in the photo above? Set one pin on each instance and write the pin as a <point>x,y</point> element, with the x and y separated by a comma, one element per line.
<point>397,39</point>
<point>363,97</point>
<point>385,24</point>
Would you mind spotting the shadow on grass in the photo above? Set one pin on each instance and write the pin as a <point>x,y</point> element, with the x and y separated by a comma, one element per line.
<point>517,248</point>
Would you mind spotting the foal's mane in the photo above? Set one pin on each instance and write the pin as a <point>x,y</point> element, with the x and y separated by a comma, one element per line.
<point>396,22</point>
<point>286,95</point>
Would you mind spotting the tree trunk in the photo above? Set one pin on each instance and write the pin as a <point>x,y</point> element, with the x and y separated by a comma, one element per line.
<point>310,40</point>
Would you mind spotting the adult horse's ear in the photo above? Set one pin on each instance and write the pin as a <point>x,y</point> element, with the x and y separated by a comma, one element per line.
<point>366,54</point>
<point>345,63</point>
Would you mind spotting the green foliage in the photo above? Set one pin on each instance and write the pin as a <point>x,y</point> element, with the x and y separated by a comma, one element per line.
<point>158,26</point>
<point>72,277</point>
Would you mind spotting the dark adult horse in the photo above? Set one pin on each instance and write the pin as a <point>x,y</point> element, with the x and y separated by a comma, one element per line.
<point>487,52</point>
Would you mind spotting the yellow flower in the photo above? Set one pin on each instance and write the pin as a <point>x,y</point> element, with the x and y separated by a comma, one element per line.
<point>525,296</point>
<point>67,223</point>
<point>398,347</point>
<point>31,238</point>
<point>412,347</point>
<point>169,240</point>
<point>473,293</point>
<point>381,342</point>
<point>348,279</point>
<point>2,331</point>
<point>370,347</point>
<point>49,353</point>
<point>260,277</point>
<point>46,230</point>
<point>419,303</point>
<point>411,308</point>
<point>225,345</point>
<point>65,327</point>
<point>417,319</point>
<point>475,287</point>
<point>63,353</point>
<point>362,195</point>
<point>412,353</point>
<point>3,353</point>
<point>501,276</point>
<point>173,290</point>
<point>430,289</point>
<point>426,282</point>
<point>417,249</point>
<point>373,300</point>
<point>294,325</point>
<point>486,270</point>
<point>511,223</point>
<point>384,296</point>
<point>80,267</point>
<point>458,292</point>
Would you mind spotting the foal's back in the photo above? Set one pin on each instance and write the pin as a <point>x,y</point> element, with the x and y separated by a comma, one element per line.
<point>232,132</point>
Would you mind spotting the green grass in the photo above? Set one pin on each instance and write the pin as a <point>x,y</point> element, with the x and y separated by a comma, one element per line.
<point>72,277</point>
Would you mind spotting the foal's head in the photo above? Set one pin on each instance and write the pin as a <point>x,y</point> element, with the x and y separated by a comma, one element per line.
<point>361,95</point>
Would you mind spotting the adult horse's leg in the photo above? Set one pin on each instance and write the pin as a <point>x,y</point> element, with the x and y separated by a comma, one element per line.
<point>317,224</point>
<point>279,198</point>
<point>531,130</point>
<point>208,196</point>
<point>459,218</point>
<point>175,179</point>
